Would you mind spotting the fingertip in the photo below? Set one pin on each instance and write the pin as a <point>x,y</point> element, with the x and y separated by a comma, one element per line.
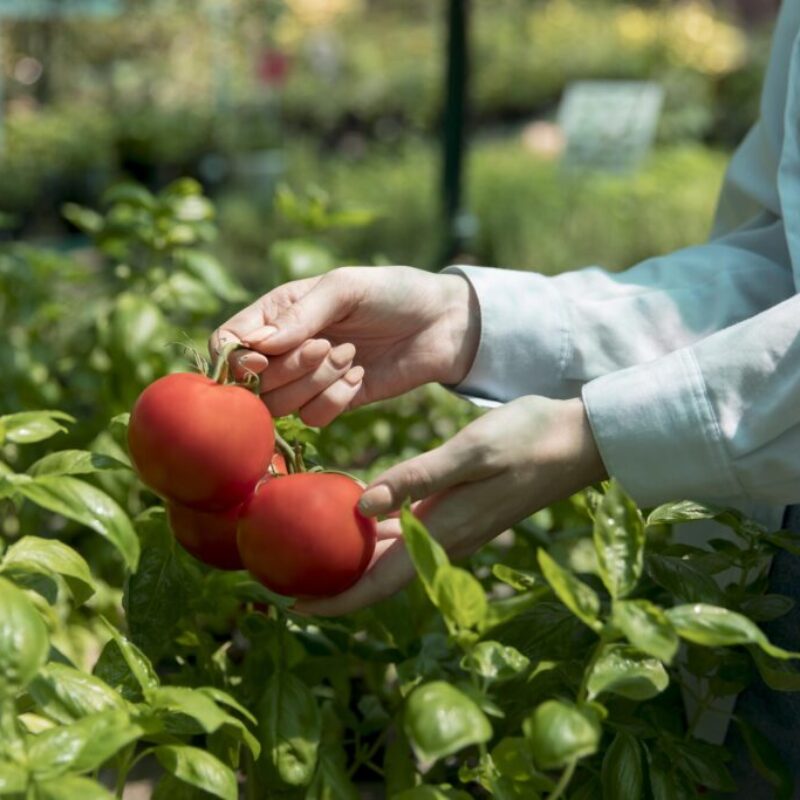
<point>355,376</point>
<point>246,362</point>
<point>376,500</point>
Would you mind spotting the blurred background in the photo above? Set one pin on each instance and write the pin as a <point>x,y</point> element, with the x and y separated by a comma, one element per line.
<point>342,101</point>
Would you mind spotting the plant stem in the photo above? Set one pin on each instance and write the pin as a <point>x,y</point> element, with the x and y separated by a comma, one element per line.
<point>288,453</point>
<point>702,706</point>
<point>219,370</point>
<point>563,781</point>
<point>365,758</point>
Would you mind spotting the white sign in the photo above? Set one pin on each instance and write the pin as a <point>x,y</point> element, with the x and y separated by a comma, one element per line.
<point>609,124</point>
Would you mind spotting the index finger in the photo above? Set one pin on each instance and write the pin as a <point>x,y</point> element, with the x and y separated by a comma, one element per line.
<point>263,311</point>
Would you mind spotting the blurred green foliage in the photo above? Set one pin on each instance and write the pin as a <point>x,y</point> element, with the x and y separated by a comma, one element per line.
<point>531,213</point>
<point>137,93</point>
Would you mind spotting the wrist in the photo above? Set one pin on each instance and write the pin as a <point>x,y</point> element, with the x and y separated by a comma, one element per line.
<point>583,456</point>
<point>462,317</point>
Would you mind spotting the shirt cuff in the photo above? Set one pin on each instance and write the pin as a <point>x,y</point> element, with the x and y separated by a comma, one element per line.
<point>657,432</point>
<point>524,337</point>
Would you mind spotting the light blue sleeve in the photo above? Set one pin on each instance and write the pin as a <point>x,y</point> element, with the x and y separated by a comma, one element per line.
<point>718,421</point>
<point>688,363</point>
<point>550,336</point>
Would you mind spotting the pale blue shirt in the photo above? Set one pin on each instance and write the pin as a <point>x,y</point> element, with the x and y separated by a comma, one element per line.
<point>688,363</point>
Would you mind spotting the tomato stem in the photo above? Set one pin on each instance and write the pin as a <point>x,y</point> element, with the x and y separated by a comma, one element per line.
<point>289,453</point>
<point>220,368</point>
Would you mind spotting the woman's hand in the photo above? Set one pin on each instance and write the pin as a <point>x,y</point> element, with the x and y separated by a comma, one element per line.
<point>358,334</point>
<point>511,462</point>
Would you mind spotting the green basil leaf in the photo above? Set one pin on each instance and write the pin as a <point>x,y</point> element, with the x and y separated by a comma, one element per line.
<point>198,768</point>
<point>67,694</point>
<point>290,728</point>
<point>547,631</point>
<point>31,554</point>
<point>518,579</point>
<point>622,773</point>
<point>432,793</point>
<point>224,699</point>
<point>459,596</point>
<point>713,626</point>
<point>426,553</point>
<point>172,788</point>
<point>332,779</point>
<point>579,598</point>
<point>75,462</point>
<point>622,669</point>
<point>682,580</point>
<point>87,505</point>
<point>24,642</point>
<point>157,593</point>
<point>560,733</point>
<point>702,763</point>
<point>399,769</point>
<point>646,627</point>
<point>778,674</point>
<point>188,702</point>
<point>82,746</point>
<point>439,720</point>
<point>28,427</point>
<point>665,782</point>
<point>681,511</point>
<point>210,271</point>
<point>71,787</point>
<point>13,778</point>
<point>505,609</point>
<point>513,759</point>
<point>766,607</point>
<point>129,194</point>
<point>767,761</point>
<point>619,541</point>
<point>121,420</point>
<point>124,667</point>
<point>494,661</point>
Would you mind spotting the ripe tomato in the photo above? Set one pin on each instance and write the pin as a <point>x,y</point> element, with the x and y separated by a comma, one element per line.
<point>210,536</point>
<point>302,535</point>
<point>200,443</point>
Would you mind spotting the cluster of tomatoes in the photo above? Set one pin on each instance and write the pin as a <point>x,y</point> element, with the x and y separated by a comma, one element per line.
<point>208,448</point>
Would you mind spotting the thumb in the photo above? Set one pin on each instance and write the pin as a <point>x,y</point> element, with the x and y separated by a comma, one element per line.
<point>328,301</point>
<point>416,479</point>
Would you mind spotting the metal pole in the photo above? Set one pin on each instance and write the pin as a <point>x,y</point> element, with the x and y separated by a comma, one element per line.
<point>457,224</point>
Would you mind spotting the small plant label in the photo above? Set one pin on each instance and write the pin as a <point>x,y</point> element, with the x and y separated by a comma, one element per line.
<point>609,125</point>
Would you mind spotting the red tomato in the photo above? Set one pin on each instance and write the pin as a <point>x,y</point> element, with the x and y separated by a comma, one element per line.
<point>302,535</point>
<point>200,443</point>
<point>210,536</point>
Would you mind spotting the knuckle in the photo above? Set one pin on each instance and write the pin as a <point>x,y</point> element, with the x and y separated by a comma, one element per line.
<point>417,481</point>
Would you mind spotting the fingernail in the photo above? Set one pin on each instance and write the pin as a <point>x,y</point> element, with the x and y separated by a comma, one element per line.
<point>355,376</point>
<point>260,335</point>
<point>225,338</point>
<point>342,355</point>
<point>375,500</point>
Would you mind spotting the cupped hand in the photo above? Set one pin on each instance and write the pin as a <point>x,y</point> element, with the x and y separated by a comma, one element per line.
<point>506,465</point>
<point>358,334</point>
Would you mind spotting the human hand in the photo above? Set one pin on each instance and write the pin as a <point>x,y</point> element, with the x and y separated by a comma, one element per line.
<point>509,463</point>
<point>358,334</point>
